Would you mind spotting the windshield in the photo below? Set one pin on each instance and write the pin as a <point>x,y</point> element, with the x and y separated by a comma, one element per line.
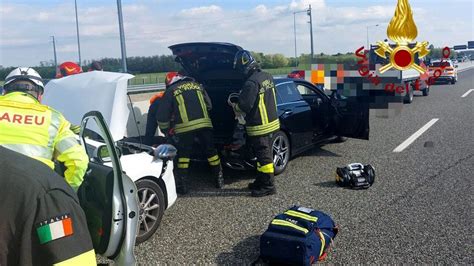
<point>440,64</point>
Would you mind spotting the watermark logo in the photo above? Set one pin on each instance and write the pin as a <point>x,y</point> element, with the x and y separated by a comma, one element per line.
<point>402,30</point>
<point>403,55</point>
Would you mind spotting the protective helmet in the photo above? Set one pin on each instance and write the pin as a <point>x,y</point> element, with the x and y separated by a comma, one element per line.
<point>172,77</point>
<point>25,74</point>
<point>157,96</point>
<point>68,68</point>
<point>244,62</point>
<point>96,65</point>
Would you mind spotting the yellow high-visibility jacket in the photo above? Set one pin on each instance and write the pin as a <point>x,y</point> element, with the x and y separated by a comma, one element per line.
<point>39,131</point>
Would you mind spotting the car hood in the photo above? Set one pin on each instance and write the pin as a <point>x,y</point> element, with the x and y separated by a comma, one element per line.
<point>201,58</point>
<point>105,92</point>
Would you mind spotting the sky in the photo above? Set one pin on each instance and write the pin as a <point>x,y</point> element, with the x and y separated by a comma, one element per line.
<point>264,26</point>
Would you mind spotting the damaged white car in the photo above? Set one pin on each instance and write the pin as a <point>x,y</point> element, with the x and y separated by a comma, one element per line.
<point>106,92</point>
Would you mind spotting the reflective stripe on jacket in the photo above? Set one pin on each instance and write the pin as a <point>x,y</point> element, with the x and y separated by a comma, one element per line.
<point>257,99</point>
<point>41,132</point>
<point>188,103</point>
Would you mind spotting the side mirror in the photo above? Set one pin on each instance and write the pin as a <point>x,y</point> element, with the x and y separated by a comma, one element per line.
<point>104,156</point>
<point>165,152</point>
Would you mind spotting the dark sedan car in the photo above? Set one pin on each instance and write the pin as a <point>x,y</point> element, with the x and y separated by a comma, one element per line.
<point>308,116</point>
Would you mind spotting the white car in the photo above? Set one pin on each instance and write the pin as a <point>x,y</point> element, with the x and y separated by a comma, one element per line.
<point>449,72</point>
<point>106,92</point>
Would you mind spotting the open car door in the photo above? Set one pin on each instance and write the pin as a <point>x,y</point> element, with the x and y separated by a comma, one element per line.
<point>351,116</point>
<point>108,196</point>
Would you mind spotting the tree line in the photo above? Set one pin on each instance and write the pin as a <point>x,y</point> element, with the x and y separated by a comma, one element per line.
<point>165,63</point>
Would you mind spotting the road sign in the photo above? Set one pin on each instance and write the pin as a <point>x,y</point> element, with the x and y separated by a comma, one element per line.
<point>460,47</point>
<point>470,44</point>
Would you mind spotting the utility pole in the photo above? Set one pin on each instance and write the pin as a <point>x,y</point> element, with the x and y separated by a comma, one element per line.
<point>368,44</point>
<point>294,31</point>
<point>55,58</point>
<point>122,37</point>
<point>311,32</point>
<point>77,30</point>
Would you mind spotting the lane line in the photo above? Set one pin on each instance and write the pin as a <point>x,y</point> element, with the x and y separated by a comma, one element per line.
<point>465,69</point>
<point>467,93</point>
<point>415,135</point>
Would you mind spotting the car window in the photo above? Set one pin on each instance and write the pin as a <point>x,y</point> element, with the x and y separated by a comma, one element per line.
<point>441,64</point>
<point>304,90</point>
<point>287,92</point>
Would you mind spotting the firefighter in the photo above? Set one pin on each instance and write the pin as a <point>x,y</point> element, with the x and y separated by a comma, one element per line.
<point>257,101</point>
<point>37,130</point>
<point>42,222</point>
<point>68,69</point>
<point>95,66</point>
<point>187,103</point>
<point>151,123</point>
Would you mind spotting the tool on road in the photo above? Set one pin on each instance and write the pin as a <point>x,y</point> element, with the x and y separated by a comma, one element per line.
<point>355,175</point>
<point>299,236</point>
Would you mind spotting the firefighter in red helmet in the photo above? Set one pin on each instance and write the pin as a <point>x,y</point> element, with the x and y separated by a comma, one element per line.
<point>187,103</point>
<point>68,69</point>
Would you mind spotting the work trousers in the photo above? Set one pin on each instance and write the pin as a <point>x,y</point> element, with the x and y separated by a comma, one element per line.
<point>185,146</point>
<point>262,146</point>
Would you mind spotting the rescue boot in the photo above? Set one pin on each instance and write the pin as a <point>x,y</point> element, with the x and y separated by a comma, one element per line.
<point>254,185</point>
<point>220,180</point>
<point>265,186</point>
<point>263,191</point>
<point>257,183</point>
<point>217,172</point>
<point>181,186</point>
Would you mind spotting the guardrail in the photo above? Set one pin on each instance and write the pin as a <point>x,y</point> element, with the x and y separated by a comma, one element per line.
<point>137,89</point>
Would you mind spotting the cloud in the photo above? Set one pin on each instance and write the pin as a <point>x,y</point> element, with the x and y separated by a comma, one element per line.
<point>202,10</point>
<point>69,48</point>
<point>150,27</point>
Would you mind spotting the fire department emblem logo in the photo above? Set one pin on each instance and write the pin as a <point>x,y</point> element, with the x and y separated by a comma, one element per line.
<point>402,30</point>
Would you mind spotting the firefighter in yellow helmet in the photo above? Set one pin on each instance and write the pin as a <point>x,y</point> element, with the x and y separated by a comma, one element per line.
<point>37,130</point>
<point>186,103</point>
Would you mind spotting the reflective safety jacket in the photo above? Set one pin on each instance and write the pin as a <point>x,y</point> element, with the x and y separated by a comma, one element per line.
<point>40,132</point>
<point>188,104</point>
<point>257,99</point>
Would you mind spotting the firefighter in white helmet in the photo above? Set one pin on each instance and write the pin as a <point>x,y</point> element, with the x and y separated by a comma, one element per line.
<point>37,130</point>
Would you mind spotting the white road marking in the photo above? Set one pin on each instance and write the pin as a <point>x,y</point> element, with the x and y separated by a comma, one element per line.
<point>467,93</point>
<point>415,135</point>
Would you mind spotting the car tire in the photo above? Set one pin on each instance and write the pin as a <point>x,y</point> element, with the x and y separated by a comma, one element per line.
<point>426,91</point>
<point>152,207</point>
<point>281,151</point>
<point>409,97</point>
<point>453,81</point>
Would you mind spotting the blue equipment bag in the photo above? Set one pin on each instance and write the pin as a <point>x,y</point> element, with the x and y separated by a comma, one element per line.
<point>299,236</point>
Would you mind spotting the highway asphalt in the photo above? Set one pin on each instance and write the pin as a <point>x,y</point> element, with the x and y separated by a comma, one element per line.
<point>420,209</point>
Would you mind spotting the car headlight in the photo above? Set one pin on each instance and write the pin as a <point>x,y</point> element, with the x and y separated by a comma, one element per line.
<point>165,152</point>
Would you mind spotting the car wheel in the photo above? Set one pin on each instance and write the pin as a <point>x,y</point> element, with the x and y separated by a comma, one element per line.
<point>453,81</point>
<point>152,207</point>
<point>426,91</point>
<point>409,96</point>
<point>281,151</point>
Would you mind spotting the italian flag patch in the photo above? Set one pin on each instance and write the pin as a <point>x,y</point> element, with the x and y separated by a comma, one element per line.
<point>55,228</point>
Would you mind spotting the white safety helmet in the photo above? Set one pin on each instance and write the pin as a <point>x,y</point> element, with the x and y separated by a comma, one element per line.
<point>24,73</point>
